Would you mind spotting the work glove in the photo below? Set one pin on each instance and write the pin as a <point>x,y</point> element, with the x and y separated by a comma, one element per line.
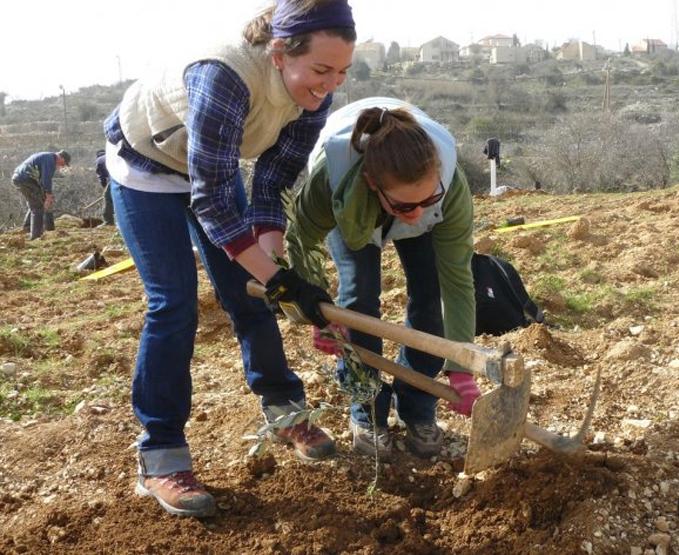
<point>297,298</point>
<point>325,339</point>
<point>465,386</point>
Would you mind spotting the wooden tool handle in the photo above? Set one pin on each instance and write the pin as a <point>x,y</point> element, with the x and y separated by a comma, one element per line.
<point>472,357</point>
<point>420,381</point>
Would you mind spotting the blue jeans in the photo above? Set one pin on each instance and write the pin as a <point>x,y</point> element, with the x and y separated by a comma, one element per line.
<point>158,229</point>
<point>359,290</point>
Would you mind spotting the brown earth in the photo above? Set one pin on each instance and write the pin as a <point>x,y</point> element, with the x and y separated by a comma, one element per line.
<point>609,282</point>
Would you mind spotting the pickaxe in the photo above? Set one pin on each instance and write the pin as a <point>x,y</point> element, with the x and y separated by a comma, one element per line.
<point>498,418</point>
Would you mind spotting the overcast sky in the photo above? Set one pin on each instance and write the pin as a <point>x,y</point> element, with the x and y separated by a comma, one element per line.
<point>76,43</point>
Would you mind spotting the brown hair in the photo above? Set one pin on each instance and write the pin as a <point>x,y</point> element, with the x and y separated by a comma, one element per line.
<point>258,31</point>
<point>396,145</point>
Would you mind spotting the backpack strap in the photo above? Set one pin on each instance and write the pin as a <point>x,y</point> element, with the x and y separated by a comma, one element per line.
<point>530,309</point>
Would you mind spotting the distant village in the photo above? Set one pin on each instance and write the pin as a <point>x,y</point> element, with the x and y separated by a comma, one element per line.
<point>494,49</point>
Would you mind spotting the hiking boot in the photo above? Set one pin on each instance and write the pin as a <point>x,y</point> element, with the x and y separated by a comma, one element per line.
<point>424,440</point>
<point>311,443</point>
<point>178,493</point>
<point>364,441</point>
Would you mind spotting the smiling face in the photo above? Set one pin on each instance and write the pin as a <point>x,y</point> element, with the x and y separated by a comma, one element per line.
<point>309,78</point>
<point>393,192</point>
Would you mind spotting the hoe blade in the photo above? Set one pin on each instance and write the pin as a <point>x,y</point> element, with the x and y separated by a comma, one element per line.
<point>498,421</point>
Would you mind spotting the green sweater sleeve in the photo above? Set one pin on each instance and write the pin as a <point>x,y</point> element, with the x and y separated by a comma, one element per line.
<point>453,245</point>
<point>311,219</point>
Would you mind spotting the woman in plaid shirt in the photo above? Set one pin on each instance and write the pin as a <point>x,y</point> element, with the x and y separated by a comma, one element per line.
<point>173,151</point>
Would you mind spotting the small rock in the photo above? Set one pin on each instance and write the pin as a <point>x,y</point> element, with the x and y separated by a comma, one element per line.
<point>113,251</point>
<point>662,524</point>
<point>463,487</point>
<point>664,488</point>
<point>674,364</point>
<point>599,437</point>
<point>635,551</point>
<point>587,547</point>
<point>201,416</point>
<point>636,330</point>
<point>627,349</point>
<point>9,369</point>
<point>636,423</point>
<point>660,540</point>
<point>79,407</point>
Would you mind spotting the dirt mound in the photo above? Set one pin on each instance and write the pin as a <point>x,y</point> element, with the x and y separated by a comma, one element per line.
<point>537,340</point>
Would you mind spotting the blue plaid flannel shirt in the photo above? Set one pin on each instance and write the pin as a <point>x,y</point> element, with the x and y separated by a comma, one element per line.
<point>218,105</point>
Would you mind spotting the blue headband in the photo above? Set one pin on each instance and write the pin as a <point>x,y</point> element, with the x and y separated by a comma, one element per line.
<point>286,22</point>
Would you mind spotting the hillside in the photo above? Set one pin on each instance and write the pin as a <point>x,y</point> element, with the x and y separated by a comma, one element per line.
<point>548,116</point>
<point>609,283</point>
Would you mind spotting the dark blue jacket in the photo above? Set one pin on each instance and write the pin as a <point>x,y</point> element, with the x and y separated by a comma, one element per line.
<point>39,167</point>
<point>102,172</point>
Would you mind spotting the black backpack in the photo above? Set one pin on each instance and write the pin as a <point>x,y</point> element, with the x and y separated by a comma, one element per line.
<point>502,302</point>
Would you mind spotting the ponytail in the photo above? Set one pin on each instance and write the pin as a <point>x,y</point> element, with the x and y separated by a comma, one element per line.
<point>258,31</point>
<point>393,144</point>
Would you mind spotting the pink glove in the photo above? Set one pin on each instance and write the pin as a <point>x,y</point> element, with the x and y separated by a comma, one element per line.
<point>325,341</point>
<point>464,385</point>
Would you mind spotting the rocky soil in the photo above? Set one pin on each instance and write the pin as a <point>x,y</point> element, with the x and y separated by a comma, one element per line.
<point>608,282</point>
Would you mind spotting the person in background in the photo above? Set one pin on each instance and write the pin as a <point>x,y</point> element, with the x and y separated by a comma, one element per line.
<point>33,177</point>
<point>104,181</point>
<point>384,171</point>
<point>173,150</point>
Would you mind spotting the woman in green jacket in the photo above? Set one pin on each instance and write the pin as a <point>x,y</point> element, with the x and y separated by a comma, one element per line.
<point>383,170</point>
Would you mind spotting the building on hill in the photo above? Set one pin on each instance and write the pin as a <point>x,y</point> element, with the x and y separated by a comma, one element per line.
<point>534,53</point>
<point>370,52</point>
<point>507,55</point>
<point>439,49</point>
<point>648,46</point>
<point>499,41</point>
<point>410,53</point>
<point>576,50</point>
<point>531,53</point>
<point>475,52</point>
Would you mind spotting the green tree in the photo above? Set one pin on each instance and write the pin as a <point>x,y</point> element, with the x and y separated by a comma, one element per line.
<point>360,71</point>
<point>394,53</point>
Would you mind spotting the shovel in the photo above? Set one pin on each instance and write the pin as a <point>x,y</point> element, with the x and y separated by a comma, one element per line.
<point>498,417</point>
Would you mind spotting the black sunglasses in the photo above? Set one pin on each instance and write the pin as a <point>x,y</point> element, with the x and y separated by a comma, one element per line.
<point>405,207</point>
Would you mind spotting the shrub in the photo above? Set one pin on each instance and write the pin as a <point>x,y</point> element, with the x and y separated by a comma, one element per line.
<point>360,71</point>
<point>88,111</point>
